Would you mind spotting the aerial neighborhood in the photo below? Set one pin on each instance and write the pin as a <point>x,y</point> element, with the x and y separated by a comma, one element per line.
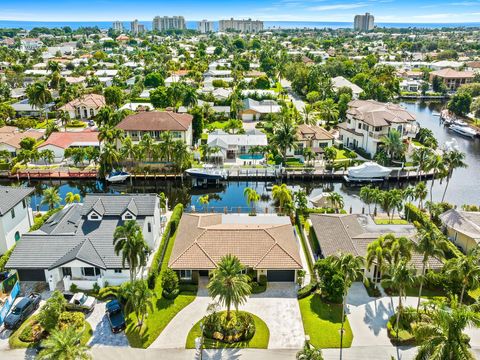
<point>235,189</point>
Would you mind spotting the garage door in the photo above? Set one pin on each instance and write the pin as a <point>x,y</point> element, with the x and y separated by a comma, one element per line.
<point>31,275</point>
<point>280,275</point>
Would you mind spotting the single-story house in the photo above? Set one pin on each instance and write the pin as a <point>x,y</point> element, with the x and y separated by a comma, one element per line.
<point>264,243</point>
<point>75,246</point>
<point>351,234</point>
<point>10,140</point>
<point>313,137</point>
<point>23,108</point>
<point>462,228</point>
<point>236,145</point>
<point>58,142</point>
<point>85,107</point>
<point>339,82</point>
<point>256,110</point>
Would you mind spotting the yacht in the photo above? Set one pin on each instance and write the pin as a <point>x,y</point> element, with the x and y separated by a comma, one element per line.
<point>208,172</point>
<point>367,172</point>
<point>117,176</point>
<point>464,130</point>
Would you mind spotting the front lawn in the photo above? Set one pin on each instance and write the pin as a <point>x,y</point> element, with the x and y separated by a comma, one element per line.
<point>259,340</point>
<point>322,322</point>
<point>413,291</point>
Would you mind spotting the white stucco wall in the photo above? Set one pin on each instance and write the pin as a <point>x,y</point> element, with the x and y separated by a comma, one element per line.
<point>9,226</point>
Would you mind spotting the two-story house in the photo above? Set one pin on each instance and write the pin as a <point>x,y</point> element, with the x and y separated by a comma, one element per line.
<point>155,123</point>
<point>313,137</point>
<point>85,107</point>
<point>15,215</point>
<point>75,246</point>
<point>368,121</point>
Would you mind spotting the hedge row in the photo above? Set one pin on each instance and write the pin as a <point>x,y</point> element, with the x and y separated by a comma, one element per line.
<point>414,214</point>
<point>40,220</point>
<point>159,255</point>
<point>4,258</point>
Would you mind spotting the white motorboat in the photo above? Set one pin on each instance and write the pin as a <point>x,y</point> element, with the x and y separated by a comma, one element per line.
<point>117,176</point>
<point>464,130</point>
<point>208,172</point>
<point>368,172</point>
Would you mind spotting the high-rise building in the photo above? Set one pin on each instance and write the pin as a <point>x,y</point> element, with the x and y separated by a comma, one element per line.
<point>117,26</point>
<point>364,23</point>
<point>137,28</point>
<point>241,25</point>
<point>168,23</point>
<point>205,26</point>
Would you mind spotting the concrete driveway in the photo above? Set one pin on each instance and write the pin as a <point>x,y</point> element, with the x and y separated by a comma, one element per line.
<point>102,334</point>
<point>278,307</point>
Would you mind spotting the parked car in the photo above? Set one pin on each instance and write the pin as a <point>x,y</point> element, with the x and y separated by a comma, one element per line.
<point>115,316</point>
<point>79,302</point>
<point>91,123</point>
<point>24,308</point>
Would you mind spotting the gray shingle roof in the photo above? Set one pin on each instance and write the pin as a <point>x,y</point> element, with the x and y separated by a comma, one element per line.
<point>11,196</point>
<point>115,205</point>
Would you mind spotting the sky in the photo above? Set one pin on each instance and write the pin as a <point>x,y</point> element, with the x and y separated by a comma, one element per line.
<point>389,11</point>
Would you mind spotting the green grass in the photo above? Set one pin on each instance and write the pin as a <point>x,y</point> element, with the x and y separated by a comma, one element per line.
<point>164,310</point>
<point>413,291</point>
<point>259,340</point>
<point>322,322</point>
<point>475,294</point>
<point>305,249</point>
<point>340,154</point>
<point>416,143</point>
<point>383,221</point>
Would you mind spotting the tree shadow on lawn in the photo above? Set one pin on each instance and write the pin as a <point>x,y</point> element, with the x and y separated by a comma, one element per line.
<point>326,311</point>
<point>137,337</point>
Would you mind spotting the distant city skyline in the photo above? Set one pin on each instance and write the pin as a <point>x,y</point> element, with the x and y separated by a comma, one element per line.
<point>390,11</point>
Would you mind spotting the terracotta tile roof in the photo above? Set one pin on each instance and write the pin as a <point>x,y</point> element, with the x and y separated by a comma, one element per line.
<point>66,139</point>
<point>312,132</point>
<point>94,101</point>
<point>449,73</point>
<point>156,121</point>
<point>14,139</point>
<point>202,240</point>
<point>378,114</point>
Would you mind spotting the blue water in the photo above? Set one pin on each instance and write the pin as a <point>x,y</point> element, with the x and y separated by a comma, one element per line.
<point>28,25</point>
<point>251,157</point>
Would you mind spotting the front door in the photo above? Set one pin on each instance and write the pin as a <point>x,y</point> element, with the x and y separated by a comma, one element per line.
<point>67,271</point>
<point>203,273</point>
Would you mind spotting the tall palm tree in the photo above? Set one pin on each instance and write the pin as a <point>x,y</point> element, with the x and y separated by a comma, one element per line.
<point>147,143</point>
<point>127,151</point>
<point>284,137</point>
<point>64,345</point>
<point>38,95</point>
<point>336,200</point>
<point>466,269</point>
<point>328,111</point>
<point>400,248</point>
<point>421,193</point>
<point>282,194</point>
<point>51,197</point>
<point>441,337</point>
<point>453,160</point>
<point>351,267</point>
<point>393,144</point>
<point>70,198</point>
<point>139,300</point>
<point>436,165</point>
<point>190,97</point>
<point>366,194</point>
<point>128,240</point>
<point>402,276</point>
<point>378,254</point>
<point>429,244</point>
<point>308,114</point>
<point>166,145</point>
<point>420,158</point>
<point>252,197</point>
<point>229,284</point>
<point>109,157</point>
<point>181,155</point>
<point>308,154</point>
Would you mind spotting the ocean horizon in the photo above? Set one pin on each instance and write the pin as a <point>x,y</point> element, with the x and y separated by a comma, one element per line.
<point>28,25</point>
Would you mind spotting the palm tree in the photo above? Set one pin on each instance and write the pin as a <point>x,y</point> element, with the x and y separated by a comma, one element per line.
<point>441,337</point>
<point>309,117</point>
<point>336,200</point>
<point>38,95</point>
<point>109,157</point>
<point>282,194</point>
<point>402,276</point>
<point>64,345</point>
<point>181,154</point>
<point>434,164</point>
<point>309,154</point>
<point>252,197</point>
<point>466,269</point>
<point>420,158</point>
<point>366,194</point>
<point>378,253</point>
<point>421,193</point>
<point>351,267</point>
<point>51,197</point>
<point>204,200</point>
<point>139,300</point>
<point>328,111</point>
<point>190,97</point>
<point>70,198</point>
<point>229,284</point>
<point>284,137</point>
<point>127,151</point>
<point>393,144</point>
<point>430,244</point>
<point>309,353</point>
<point>128,240</point>
<point>147,145</point>
<point>453,160</point>
<point>166,145</point>
<point>400,248</point>
<point>47,155</point>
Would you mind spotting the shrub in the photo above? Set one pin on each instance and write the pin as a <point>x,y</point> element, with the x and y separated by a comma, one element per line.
<point>4,258</point>
<point>73,288</point>
<point>262,280</point>
<point>50,313</point>
<point>372,290</point>
<point>306,290</point>
<point>241,327</point>
<point>96,288</point>
<point>40,220</point>
<point>71,319</point>
<point>108,292</point>
<point>31,333</point>
<point>331,281</point>
<point>169,281</point>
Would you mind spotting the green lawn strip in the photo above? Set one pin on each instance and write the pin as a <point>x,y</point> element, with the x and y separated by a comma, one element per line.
<point>413,291</point>
<point>305,248</point>
<point>322,322</point>
<point>383,221</point>
<point>259,340</point>
<point>164,310</point>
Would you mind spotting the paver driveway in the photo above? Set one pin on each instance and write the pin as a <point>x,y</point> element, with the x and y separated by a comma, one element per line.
<point>102,335</point>
<point>278,307</point>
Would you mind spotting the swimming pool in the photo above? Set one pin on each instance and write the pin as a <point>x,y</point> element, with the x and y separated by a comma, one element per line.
<point>251,157</point>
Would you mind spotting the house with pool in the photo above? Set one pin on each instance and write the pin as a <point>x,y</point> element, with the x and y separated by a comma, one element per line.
<point>246,147</point>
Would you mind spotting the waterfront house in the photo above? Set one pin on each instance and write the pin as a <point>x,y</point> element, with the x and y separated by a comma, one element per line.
<point>10,138</point>
<point>156,122</point>
<point>462,228</point>
<point>15,215</point>
<point>75,246</point>
<point>85,107</point>
<point>265,244</point>
<point>336,234</point>
<point>453,79</point>
<point>58,142</point>
<point>23,108</point>
<point>368,121</point>
<point>313,137</point>
<point>233,146</point>
<point>256,110</point>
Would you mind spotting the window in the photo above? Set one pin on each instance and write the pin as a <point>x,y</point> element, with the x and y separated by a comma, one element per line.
<point>359,125</point>
<point>90,271</point>
<point>92,113</point>
<point>17,236</point>
<point>378,128</point>
<point>128,217</point>
<point>176,134</point>
<point>149,227</point>
<point>24,203</point>
<point>185,274</point>
<point>94,216</point>
<point>118,271</point>
<point>13,213</point>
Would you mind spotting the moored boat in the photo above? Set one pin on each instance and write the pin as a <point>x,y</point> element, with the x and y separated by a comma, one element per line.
<point>208,172</point>
<point>117,176</point>
<point>367,172</point>
<point>463,130</point>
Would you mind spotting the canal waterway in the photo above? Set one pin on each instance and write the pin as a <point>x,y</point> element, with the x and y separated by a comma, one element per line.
<point>464,187</point>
